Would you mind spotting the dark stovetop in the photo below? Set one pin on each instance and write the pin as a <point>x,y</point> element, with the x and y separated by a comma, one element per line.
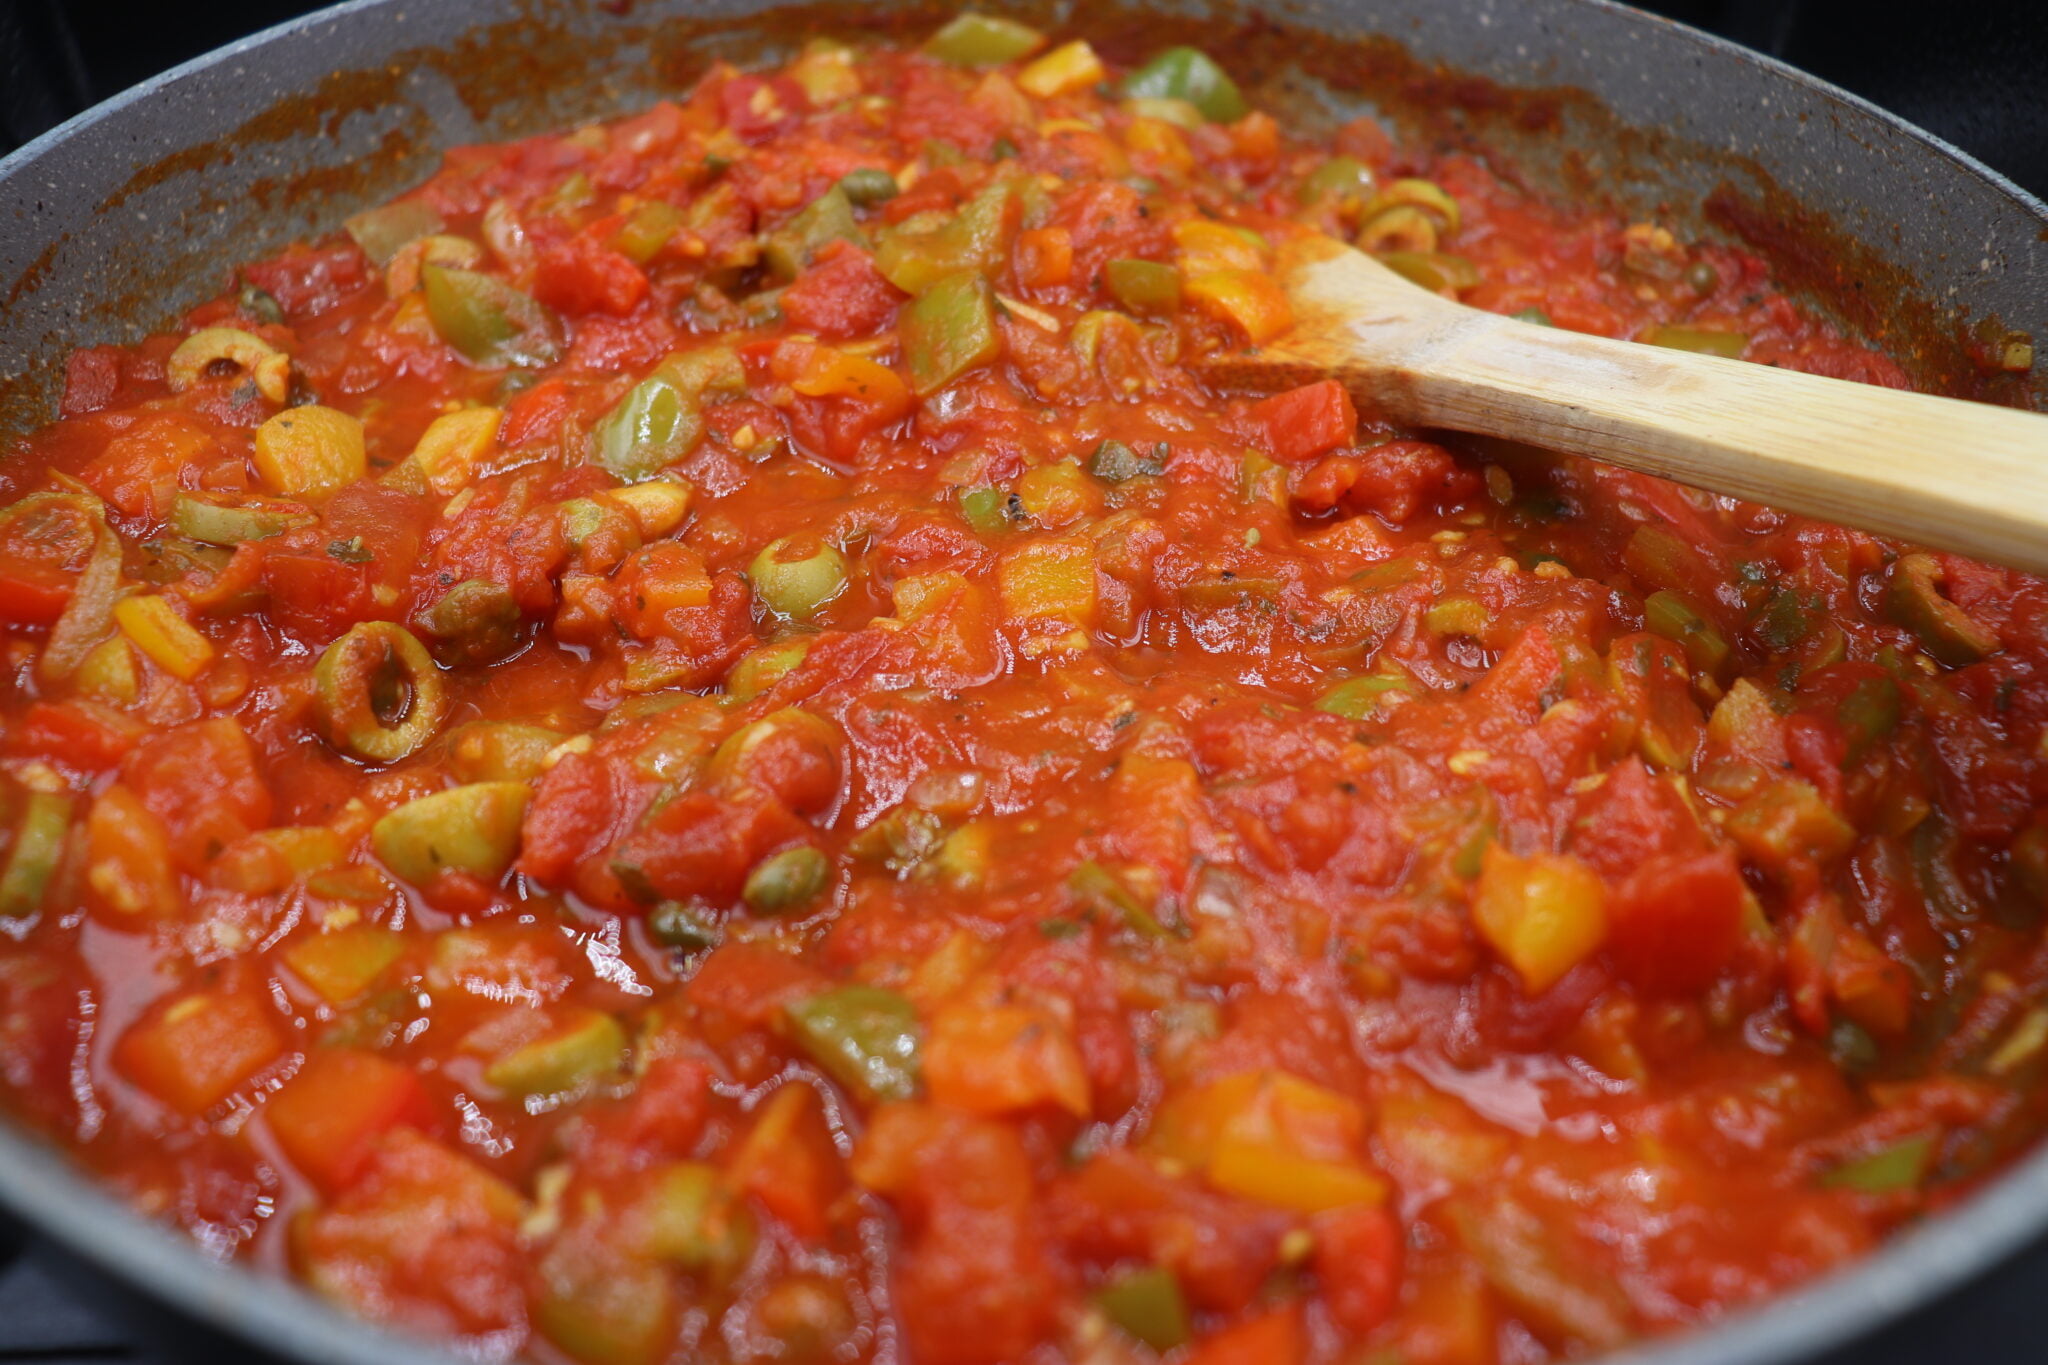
<point>1970,72</point>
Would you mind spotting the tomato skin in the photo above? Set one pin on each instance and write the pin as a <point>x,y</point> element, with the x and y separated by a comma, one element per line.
<point>1676,921</point>
<point>424,1238</point>
<point>1309,421</point>
<point>315,596</point>
<point>537,414</point>
<point>841,295</point>
<point>581,276</point>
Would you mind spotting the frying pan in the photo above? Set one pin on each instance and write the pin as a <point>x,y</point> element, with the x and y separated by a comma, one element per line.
<point>117,221</point>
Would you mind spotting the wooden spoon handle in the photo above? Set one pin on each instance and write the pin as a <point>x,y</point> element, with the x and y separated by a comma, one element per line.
<point>1933,471</point>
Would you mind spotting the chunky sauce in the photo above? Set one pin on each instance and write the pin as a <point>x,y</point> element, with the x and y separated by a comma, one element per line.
<point>700,741</point>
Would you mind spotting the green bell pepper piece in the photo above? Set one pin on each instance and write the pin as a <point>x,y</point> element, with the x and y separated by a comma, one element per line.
<point>948,330</point>
<point>586,1046</point>
<point>1671,616</point>
<point>976,238</point>
<point>487,320</point>
<point>868,186</point>
<point>1900,1166</point>
<point>1147,1306</point>
<point>865,1037</point>
<point>1097,888</point>
<point>983,40</point>
<point>1699,340</point>
<point>986,510</point>
<point>647,230</point>
<point>789,880</point>
<point>1359,698</point>
<point>38,845</point>
<point>1186,73</point>
<point>1115,462</point>
<point>692,1215</point>
<point>1147,287</point>
<point>1868,714</point>
<point>472,829</point>
<point>827,218</point>
<point>215,523</point>
<point>763,668</point>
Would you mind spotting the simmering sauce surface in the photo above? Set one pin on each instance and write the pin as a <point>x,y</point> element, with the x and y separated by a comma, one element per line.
<point>702,741</point>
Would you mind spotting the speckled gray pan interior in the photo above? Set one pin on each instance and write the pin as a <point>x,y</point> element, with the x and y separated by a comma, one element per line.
<point>117,221</point>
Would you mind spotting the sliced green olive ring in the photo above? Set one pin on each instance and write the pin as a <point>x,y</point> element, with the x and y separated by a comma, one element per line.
<point>379,693</point>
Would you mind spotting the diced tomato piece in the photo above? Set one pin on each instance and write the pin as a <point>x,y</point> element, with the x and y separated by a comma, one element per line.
<point>1275,1337</point>
<point>569,819</point>
<point>1306,422</point>
<point>841,294</point>
<point>195,1049</point>
<point>1675,921</point>
<point>536,415</point>
<point>138,472</point>
<point>788,1162</point>
<point>307,279</point>
<point>582,275</point>
<point>756,107</point>
<point>973,1285</point>
<point>749,983</point>
<point>315,596</point>
<point>1119,1206</point>
<point>327,1117</point>
<point>1402,478</point>
<point>204,782</point>
<point>704,843</point>
<point>1358,1260</point>
<point>425,1239</point>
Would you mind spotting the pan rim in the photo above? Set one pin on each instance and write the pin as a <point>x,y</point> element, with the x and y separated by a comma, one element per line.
<point>1908,1272</point>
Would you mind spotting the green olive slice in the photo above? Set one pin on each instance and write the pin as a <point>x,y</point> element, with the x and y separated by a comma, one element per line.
<point>380,696</point>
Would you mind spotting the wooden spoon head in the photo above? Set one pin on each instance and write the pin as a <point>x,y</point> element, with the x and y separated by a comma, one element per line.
<point>1354,320</point>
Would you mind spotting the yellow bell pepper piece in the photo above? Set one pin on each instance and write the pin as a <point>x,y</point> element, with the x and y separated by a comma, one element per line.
<point>1543,914</point>
<point>1068,67</point>
<point>1048,579</point>
<point>1273,1137</point>
<point>166,637</point>
<point>452,447</point>
<point>1250,300</point>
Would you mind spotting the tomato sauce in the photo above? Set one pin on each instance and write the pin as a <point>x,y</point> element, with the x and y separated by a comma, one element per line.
<point>702,740</point>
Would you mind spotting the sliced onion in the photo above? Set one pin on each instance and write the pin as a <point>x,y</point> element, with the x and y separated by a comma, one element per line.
<point>90,612</point>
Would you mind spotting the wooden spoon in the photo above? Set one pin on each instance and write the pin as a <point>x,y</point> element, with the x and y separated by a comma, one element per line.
<point>1936,472</point>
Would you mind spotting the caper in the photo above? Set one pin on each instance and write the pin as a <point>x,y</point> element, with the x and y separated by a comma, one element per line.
<point>868,186</point>
<point>788,880</point>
